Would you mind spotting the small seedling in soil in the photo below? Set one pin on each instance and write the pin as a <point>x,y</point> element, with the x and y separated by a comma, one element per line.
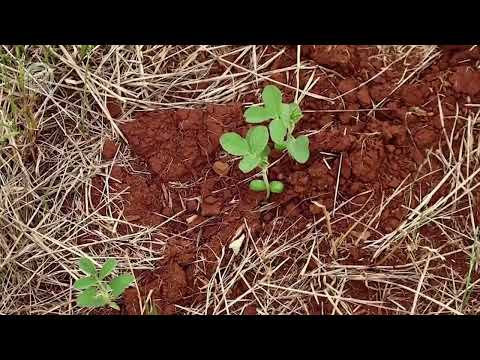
<point>254,150</point>
<point>96,291</point>
<point>283,118</point>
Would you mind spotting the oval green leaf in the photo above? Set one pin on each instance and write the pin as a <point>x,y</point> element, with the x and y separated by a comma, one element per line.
<point>120,283</point>
<point>265,153</point>
<point>107,268</point>
<point>87,266</point>
<point>277,131</point>
<point>276,187</point>
<point>257,185</point>
<point>285,115</point>
<point>298,149</point>
<point>257,139</point>
<point>257,114</point>
<point>88,298</point>
<point>84,283</point>
<point>234,144</point>
<point>272,98</point>
<point>248,163</point>
<point>295,112</point>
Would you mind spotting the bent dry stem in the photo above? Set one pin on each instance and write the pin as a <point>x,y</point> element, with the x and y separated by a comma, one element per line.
<point>265,180</point>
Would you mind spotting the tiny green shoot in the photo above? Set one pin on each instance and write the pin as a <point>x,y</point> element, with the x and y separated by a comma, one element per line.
<point>283,118</point>
<point>96,291</point>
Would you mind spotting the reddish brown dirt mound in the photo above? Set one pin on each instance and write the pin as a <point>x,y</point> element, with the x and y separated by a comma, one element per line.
<point>177,144</point>
<point>369,154</point>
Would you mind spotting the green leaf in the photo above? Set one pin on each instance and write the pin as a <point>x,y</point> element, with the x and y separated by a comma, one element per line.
<point>257,114</point>
<point>234,144</point>
<point>87,266</point>
<point>120,283</point>
<point>257,139</point>
<point>257,185</point>
<point>295,112</point>
<point>277,131</point>
<point>264,154</point>
<point>272,98</point>
<point>285,115</point>
<point>248,163</point>
<point>85,283</point>
<point>107,268</point>
<point>276,187</point>
<point>298,149</point>
<point>90,298</point>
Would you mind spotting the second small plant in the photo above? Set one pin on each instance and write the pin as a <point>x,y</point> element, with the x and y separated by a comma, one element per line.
<point>95,290</point>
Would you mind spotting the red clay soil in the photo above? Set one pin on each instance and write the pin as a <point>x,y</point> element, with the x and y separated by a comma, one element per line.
<point>373,152</point>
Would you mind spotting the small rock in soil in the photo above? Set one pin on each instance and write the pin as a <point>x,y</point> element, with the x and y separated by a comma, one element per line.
<point>221,168</point>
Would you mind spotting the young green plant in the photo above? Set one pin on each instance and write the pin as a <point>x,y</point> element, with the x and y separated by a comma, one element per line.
<point>96,291</point>
<point>254,151</point>
<point>283,118</point>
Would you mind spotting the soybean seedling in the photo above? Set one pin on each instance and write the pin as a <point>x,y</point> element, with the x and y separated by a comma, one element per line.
<point>254,151</point>
<point>283,118</point>
<point>97,292</point>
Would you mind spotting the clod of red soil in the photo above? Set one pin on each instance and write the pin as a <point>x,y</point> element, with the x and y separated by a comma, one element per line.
<point>171,283</point>
<point>333,141</point>
<point>466,80</point>
<point>331,56</point>
<point>346,86</point>
<point>414,95</point>
<point>114,108</point>
<point>250,310</point>
<point>109,149</point>
<point>211,206</point>
<point>425,137</point>
<point>158,137</point>
<point>366,163</point>
<point>363,96</point>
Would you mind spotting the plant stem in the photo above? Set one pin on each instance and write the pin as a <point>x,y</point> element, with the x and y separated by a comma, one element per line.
<point>265,180</point>
<point>104,291</point>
